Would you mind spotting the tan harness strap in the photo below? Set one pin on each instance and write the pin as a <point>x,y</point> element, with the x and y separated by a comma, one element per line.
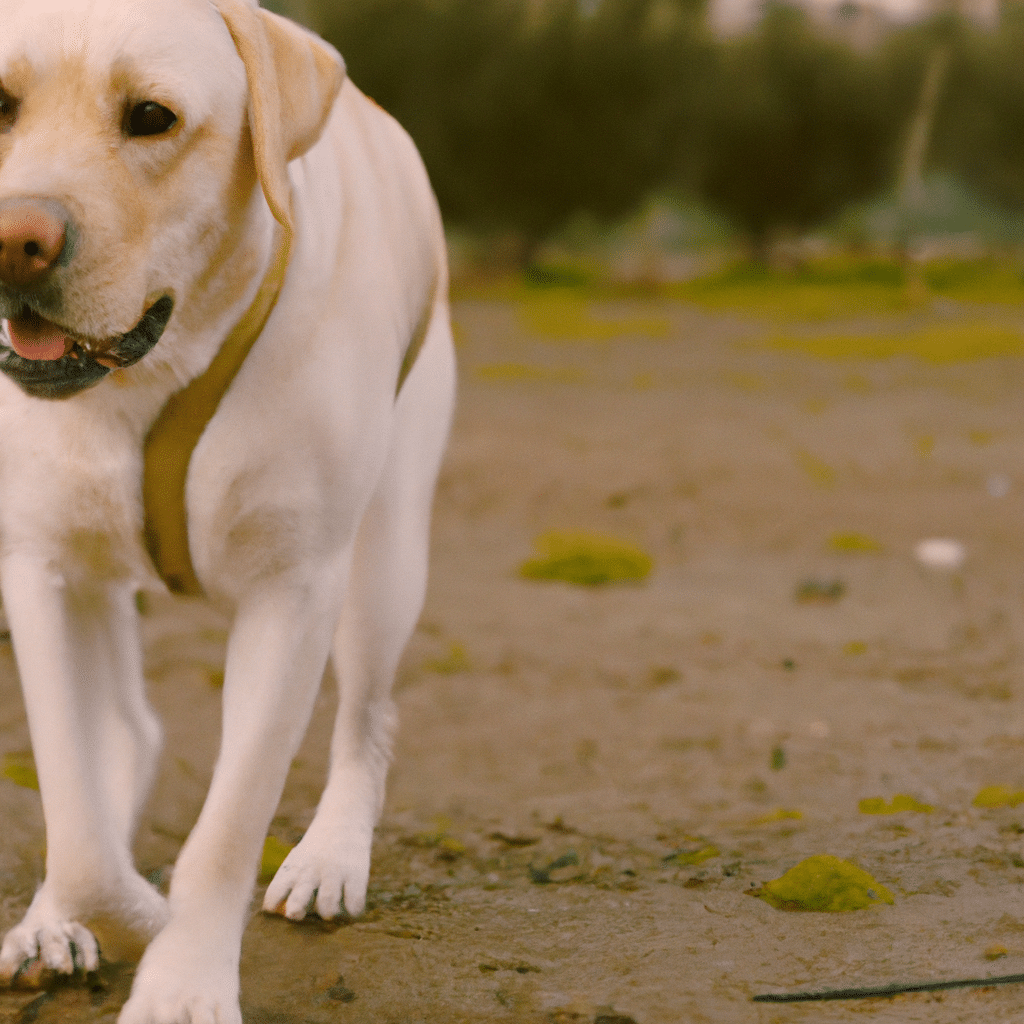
<point>176,432</point>
<point>173,437</point>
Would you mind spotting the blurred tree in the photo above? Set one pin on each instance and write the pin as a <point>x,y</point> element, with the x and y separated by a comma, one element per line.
<point>308,12</point>
<point>528,114</point>
<point>919,67</point>
<point>982,135</point>
<point>798,127</point>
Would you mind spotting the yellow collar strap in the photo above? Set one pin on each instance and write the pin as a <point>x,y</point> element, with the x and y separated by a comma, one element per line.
<point>173,437</point>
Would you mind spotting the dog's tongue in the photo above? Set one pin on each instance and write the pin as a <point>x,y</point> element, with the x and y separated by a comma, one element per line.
<point>32,337</point>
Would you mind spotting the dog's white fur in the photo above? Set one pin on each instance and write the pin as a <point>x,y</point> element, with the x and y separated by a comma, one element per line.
<point>308,496</point>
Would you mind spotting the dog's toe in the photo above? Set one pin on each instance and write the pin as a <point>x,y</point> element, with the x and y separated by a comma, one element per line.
<point>30,954</point>
<point>19,957</point>
<point>316,875</point>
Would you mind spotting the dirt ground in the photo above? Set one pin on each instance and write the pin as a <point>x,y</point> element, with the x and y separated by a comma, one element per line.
<point>587,782</point>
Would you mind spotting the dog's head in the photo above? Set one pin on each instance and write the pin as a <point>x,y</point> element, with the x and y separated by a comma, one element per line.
<point>136,139</point>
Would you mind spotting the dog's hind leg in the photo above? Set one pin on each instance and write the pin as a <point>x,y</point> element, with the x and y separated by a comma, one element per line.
<point>95,743</point>
<point>389,574</point>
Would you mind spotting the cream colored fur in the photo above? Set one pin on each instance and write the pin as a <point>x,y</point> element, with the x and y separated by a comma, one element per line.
<point>308,496</point>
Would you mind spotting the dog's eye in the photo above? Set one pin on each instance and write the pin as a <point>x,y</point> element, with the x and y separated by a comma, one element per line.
<point>148,118</point>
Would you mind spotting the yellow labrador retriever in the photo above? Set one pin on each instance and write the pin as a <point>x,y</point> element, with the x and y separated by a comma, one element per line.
<point>222,285</point>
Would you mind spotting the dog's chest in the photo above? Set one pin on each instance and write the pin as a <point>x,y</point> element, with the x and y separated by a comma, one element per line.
<point>69,486</point>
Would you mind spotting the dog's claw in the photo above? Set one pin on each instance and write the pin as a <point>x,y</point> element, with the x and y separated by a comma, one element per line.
<point>29,975</point>
<point>31,957</point>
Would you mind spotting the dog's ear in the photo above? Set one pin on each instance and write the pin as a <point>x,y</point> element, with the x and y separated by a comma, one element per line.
<point>294,78</point>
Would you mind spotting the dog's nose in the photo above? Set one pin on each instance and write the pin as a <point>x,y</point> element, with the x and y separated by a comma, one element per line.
<point>33,234</point>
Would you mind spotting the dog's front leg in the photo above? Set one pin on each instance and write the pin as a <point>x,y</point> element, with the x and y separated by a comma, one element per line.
<point>95,742</point>
<point>277,652</point>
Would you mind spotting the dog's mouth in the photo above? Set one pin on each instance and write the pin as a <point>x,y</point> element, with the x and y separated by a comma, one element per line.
<point>47,361</point>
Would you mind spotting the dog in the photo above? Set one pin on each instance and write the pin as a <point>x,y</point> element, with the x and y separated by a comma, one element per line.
<point>227,367</point>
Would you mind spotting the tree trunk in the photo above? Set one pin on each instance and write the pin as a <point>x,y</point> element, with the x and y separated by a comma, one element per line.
<point>910,186</point>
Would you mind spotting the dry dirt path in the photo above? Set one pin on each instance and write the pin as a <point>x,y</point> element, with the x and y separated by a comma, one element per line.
<point>644,739</point>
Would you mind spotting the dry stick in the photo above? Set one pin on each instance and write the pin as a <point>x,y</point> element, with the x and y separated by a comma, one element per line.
<point>896,989</point>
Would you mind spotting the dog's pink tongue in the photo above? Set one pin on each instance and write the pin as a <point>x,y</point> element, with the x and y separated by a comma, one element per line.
<point>32,337</point>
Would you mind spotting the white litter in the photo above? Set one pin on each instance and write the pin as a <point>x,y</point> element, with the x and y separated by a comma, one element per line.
<point>940,553</point>
<point>998,485</point>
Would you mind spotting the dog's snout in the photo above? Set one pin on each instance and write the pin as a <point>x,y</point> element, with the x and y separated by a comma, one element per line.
<point>33,236</point>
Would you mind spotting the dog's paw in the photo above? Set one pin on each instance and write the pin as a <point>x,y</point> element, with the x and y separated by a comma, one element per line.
<point>318,874</point>
<point>129,919</point>
<point>184,978</point>
<point>39,946</point>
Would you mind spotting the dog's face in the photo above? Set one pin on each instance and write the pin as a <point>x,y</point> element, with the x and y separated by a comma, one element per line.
<point>126,162</point>
<point>120,126</point>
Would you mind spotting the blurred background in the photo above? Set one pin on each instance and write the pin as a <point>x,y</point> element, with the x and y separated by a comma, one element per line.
<point>643,138</point>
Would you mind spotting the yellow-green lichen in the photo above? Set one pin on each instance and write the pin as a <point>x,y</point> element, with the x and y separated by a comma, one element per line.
<point>586,559</point>
<point>824,883</point>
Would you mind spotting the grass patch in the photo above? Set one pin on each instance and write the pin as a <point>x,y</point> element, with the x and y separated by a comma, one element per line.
<point>555,298</point>
<point>940,344</point>
<point>510,373</point>
<point>816,291</point>
<point>979,281</point>
<point>586,560</point>
<point>565,314</point>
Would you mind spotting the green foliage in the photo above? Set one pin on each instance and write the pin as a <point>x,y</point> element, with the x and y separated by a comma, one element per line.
<point>983,116</point>
<point>526,116</point>
<point>800,127</point>
<point>531,115</point>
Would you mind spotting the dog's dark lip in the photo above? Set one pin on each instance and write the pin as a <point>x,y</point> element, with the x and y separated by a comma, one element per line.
<point>81,367</point>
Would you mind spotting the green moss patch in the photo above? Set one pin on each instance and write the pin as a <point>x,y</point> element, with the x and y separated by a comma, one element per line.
<point>689,857</point>
<point>274,853</point>
<point>900,802</point>
<point>824,883</point>
<point>505,373</point>
<point>456,661</point>
<point>854,543</point>
<point>586,559</point>
<point>20,768</point>
<point>998,796</point>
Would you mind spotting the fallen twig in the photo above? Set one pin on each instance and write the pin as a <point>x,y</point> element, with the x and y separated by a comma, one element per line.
<point>881,991</point>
